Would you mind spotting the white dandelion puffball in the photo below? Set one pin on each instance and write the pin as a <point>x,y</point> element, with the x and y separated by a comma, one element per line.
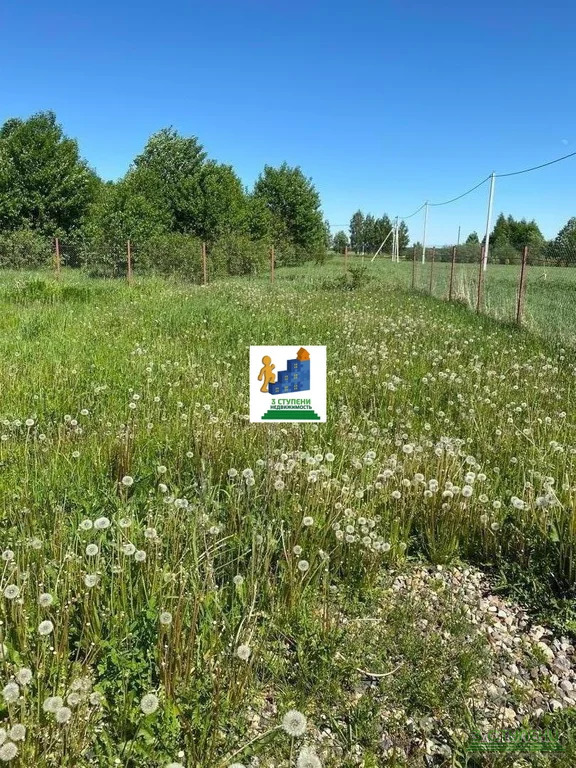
<point>127,481</point>
<point>128,549</point>
<point>92,550</point>
<point>63,715</point>
<point>294,723</point>
<point>24,676</point>
<point>8,751</point>
<point>238,580</point>
<point>102,523</point>
<point>11,592</point>
<point>308,521</point>
<point>45,599</point>
<point>91,579</point>
<point>52,703</point>
<point>166,618</point>
<point>149,703</point>
<point>329,457</point>
<point>308,759</point>
<point>18,732</point>
<point>243,652</point>
<point>8,555</point>
<point>11,692</point>
<point>86,525</point>
<point>73,699</point>
<point>95,699</point>
<point>303,566</point>
<point>161,469</point>
<point>46,627</point>
<point>140,556</point>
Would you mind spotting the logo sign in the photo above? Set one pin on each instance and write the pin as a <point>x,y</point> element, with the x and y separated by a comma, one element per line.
<point>287,384</point>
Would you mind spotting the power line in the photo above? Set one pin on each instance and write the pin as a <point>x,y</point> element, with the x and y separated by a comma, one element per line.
<point>462,195</point>
<point>412,214</point>
<point>536,167</point>
<point>498,176</point>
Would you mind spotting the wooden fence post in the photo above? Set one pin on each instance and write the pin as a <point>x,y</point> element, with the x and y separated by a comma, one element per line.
<point>129,259</point>
<point>432,268</point>
<point>452,273</point>
<point>480,281</point>
<point>522,286</point>
<point>57,258</point>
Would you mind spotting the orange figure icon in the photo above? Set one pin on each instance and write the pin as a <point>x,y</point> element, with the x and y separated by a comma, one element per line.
<point>266,375</point>
<point>303,354</point>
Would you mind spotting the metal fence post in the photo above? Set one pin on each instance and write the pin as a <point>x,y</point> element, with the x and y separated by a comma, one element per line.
<point>452,273</point>
<point>522,286</point>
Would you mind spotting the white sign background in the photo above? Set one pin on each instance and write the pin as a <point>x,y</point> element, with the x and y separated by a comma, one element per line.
<point>260,402</point>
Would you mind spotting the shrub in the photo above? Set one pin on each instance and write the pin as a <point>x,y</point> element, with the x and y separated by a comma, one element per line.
<point>24,249</point>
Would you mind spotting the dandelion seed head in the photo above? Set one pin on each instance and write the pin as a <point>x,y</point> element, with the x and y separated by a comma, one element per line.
<point>11,692</point>
<point>8,751</point>
<point>18,732</point>
<point>102,523</point>
<point>11,592</point>
<point>24,676</point>
<point>166,618</point>
<point>149,703</point>
<point>63,715</point>
<point>294,723</point>
<point>127,481</point>
<point>52,703</point>
<point>243,652</point>
<point>45,600</point>
<point>45,627</point>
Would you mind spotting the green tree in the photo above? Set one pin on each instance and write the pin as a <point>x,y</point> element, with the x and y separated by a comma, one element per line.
<point>357,231</point>
<point>294,206</point>
<point>472,238</point>
<point>403,236</point>
<point>169,173</point>
<point>222,207</point>
<point>340,242</point>
<point>44,184</point>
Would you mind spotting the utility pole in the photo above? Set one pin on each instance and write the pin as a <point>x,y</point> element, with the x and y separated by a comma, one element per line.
<point>424,235</point>
<point>488,222</point>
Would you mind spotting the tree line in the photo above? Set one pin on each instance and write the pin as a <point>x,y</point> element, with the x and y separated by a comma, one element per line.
<point>172,198</point>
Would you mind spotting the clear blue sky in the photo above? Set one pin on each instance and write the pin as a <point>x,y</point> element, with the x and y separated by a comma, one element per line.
<point>383,104</point>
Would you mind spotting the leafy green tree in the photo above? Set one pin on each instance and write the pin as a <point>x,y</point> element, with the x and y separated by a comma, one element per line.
<point>357,231</point>
<point>169,175</point>
<point>340,242</point>
<point>44,184</point>
<point>222,206</point>
<point>502,231</point>
<point>382,229</point>
<point>472,238</point>
<point>294,206</point>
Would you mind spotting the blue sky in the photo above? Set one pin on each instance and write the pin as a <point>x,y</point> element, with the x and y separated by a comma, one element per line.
<point>383,104</point>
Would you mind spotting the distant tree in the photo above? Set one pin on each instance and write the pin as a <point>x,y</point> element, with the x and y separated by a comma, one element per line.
<point>563,248</point>
<point>525,233</point>
<point>472,238</point>
<point>328,239</point>
<point>403,236</point>
<point>381,232</point>
<point>501,232</point>
<point>44,183</point>
<point>340,242</point>
<point>294,208</point>
<point>357,231</point>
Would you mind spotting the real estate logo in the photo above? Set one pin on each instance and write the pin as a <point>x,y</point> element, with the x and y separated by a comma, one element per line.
<point>288,384</point>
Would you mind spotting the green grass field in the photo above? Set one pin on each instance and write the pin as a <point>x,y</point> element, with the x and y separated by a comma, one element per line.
<point>176,581</point>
